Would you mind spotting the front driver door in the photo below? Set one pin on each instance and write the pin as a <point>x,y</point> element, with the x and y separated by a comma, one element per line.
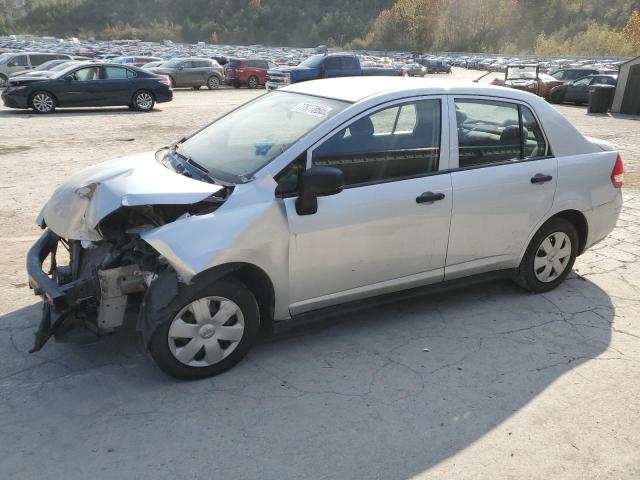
<point>389,228</point>
<point>83,89</point>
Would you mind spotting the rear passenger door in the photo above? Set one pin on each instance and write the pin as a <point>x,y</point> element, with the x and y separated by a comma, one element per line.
<point>390,225</point>
<point>503,178</point>
<point>116,85</point>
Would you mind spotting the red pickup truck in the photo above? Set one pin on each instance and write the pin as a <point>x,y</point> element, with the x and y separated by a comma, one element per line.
<point>250,72</point>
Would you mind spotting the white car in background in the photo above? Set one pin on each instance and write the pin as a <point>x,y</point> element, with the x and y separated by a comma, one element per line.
<point>322,193</point>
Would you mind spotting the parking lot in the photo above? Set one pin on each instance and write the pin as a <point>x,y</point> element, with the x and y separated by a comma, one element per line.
<point>485,382</point>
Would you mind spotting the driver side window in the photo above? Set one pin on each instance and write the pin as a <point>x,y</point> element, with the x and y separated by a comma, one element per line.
<point>394,143</point>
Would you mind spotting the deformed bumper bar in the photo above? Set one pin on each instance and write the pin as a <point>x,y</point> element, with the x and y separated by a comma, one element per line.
<point>59,299</point>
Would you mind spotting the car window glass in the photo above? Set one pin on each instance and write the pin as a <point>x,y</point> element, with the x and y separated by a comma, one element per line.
<point>582,82</point>
<point>333,63</point>
<point>115,73</point>
<point>289,178</point>
<point>559,75</point>
<point>350,63</point>
<point>19,61</point>
<point>535,144</point>
<point>392,143</point>
<point>131,73</point>
<point>87,74</point>
<point>488,132</point>
<point>187,64</point>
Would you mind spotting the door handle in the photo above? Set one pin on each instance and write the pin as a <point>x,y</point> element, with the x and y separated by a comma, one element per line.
<point>541,178</point>
<point>429,197</point>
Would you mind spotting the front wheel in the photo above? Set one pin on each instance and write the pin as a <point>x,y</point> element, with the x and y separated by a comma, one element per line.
<point>143,101</point>
<point>205,331</point>
<point>42,102</point>
<point>549,257</point>
<point>213,83</point>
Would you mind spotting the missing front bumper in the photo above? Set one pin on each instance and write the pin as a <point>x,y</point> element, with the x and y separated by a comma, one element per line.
<point>102,292</point>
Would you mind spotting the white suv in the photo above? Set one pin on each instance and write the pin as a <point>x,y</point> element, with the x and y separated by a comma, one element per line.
<point>316,195</point>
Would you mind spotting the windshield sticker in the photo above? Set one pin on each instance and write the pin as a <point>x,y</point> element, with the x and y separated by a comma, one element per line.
<point>312,109</point>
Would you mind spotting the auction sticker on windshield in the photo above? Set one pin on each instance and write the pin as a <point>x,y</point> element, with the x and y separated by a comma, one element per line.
<point>312,109</point>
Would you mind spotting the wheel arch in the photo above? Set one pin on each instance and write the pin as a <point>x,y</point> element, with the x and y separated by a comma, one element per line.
<point>578,220</point>
<point>253,277</point>
<point>44,90</point>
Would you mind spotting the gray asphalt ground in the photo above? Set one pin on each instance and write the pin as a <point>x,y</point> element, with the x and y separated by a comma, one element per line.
<point>488,382</point>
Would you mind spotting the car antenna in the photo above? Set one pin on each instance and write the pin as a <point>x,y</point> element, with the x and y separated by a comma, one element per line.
<point>481,77</point>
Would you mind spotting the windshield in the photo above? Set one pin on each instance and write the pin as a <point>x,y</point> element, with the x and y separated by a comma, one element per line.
<point>4,58</point>
<point>312,62</point>
<point>521,72</point>
<point>235,147</point>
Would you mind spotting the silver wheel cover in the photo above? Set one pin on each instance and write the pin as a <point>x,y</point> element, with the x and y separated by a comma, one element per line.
<point>42,102</point>
<point>144,101</point>
<point>206,331</point>
<point>214,82</point>
<point>552,257</point>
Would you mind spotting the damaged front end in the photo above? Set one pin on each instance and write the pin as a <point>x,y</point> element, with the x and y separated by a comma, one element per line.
<point>104,277</point>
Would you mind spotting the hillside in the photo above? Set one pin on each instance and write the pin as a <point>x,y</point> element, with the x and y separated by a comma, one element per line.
<point>510,26</point>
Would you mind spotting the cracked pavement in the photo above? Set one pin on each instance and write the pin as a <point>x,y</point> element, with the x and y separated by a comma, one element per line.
<point>484,382</point>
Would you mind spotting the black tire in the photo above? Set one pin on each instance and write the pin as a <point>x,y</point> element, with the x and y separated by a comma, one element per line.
<point>143,101</point>
<point>213,82</point>
<point>42,102</point>
<point>253,82</point>
<point>237,84</point>
<point>196,87</point>
<point>526,275</point>
<point>227,288</point>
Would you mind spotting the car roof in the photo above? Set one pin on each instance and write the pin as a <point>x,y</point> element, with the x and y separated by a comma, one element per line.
<point>354,89</point>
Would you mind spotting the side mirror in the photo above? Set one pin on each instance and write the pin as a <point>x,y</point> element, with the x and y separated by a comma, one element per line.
<point>180,67</point>
<point>318,182</point>
<point>68,78</point>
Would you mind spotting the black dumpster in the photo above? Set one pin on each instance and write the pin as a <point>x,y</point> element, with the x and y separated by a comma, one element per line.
<point>600,98</point>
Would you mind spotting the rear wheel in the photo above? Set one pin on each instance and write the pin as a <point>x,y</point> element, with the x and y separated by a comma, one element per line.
<point>205,331</point>
<point>549,257</point>
<point>42,102</point>
<point>143,101</point>
<point>253,82</point>
<point>213,83</point>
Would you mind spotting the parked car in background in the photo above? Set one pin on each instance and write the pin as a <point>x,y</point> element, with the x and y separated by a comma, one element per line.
<point>578,91</point>
<point>157,63</point>
<point>43,69</point>
<point>325,66</point>
<point>88,85</point>
<point>192,72</point>
<point>135,61</point>
<point>12,63</point>
<point>435,66</point>
<point>319,194</point>
<point>527,77</point>
<point>415,70</point>
<point>567,75</point>
<point>251,72</point>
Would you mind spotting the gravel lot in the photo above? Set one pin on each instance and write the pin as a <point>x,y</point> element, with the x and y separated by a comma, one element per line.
<point>513,385</point>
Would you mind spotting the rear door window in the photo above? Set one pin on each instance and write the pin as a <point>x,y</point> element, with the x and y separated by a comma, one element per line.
<point>115,73</point>
<point>491,131</point>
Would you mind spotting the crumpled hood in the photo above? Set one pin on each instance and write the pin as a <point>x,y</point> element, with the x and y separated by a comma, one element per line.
<point>77,206</point>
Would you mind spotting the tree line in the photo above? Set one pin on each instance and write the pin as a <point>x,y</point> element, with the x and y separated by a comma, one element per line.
<point>562,27</point>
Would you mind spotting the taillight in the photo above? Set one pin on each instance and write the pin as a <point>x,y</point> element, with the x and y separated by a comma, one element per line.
<point>165,81</point>
<point>617,175</point>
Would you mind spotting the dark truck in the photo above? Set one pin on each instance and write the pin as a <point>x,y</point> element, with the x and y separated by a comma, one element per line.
<point>325,66</point>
